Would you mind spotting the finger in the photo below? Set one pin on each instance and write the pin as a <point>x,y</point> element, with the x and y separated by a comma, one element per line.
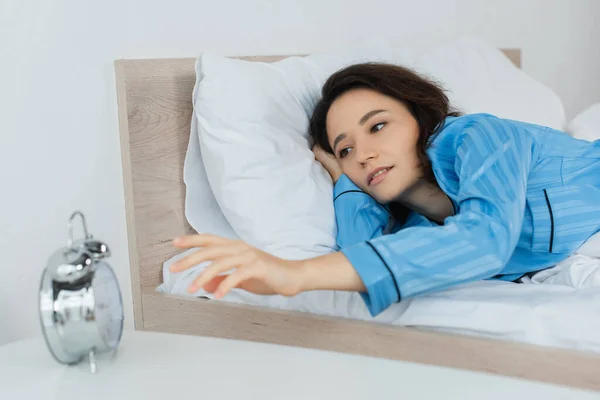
<point>239,277</point>
<point>317,150</point>
<point>203,239</point>
<point>216,268</point>
<point>212,285</point>
<point>212,253</point>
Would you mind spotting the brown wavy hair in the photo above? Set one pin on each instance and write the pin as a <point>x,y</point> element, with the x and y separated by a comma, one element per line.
<point>424,98</point>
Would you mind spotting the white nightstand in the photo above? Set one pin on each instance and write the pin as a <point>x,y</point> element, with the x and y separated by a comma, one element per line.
<point>165,366</point>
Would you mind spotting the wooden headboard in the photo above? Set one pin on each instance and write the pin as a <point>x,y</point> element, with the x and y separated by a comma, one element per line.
<point>155,110</point>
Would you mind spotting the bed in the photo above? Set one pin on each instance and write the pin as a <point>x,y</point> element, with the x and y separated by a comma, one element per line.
<point>155,109</point>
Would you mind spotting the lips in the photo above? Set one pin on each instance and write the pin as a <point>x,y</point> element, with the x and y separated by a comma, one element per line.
<point>377,175</point>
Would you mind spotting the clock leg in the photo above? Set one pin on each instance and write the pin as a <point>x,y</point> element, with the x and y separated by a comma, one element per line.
<point>92,357</point>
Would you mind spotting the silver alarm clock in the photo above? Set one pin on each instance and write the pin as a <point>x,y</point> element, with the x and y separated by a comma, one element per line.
<point>80,304</point>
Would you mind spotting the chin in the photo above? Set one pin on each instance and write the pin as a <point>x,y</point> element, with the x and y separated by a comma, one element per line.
<point>383,197</point>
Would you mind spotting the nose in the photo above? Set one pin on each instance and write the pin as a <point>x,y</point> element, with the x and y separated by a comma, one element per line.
<point>365,153</point>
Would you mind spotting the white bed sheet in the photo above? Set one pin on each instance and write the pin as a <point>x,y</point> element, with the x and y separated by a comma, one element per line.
<point>559,307</point>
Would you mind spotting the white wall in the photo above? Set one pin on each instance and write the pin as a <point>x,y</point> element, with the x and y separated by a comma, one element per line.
<point>59,140</point>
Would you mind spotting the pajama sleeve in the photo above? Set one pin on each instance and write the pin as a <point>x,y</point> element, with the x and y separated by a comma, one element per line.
<point>358,216</point>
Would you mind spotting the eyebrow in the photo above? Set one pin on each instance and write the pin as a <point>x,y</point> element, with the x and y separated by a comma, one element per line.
<point>361,121</point>
<point>368,115</point>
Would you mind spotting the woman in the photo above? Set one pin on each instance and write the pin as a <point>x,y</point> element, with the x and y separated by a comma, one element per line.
<point>424,198</point>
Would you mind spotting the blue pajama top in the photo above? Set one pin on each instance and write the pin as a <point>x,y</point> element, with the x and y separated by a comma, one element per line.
<point>526,197</point>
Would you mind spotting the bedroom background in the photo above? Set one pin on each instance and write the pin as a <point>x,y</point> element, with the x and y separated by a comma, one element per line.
<point>59,146</point>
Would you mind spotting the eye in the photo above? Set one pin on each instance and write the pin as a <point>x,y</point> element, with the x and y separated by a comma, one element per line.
<point>377,127</point>
<point>344,152</point>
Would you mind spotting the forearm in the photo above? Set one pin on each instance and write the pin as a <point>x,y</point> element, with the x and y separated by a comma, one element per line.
<point>358,216</point>
<point>330,272</point>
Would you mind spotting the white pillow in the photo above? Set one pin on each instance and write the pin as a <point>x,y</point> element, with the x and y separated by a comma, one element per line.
<point>478,77</point>
<point>253,131</point>
<point>201,208</point>
<point>586,125</point>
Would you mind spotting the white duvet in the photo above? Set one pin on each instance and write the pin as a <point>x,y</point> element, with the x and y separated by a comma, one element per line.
<point>558,307</point>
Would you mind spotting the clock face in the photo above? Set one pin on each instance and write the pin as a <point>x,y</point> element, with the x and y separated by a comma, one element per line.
<point>108,307</point>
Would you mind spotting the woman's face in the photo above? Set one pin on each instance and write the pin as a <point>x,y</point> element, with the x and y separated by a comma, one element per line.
<point>374,138</point>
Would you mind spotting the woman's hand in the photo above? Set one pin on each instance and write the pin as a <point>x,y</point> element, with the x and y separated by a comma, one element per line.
<point>253,270</point>
<point>329,162</point>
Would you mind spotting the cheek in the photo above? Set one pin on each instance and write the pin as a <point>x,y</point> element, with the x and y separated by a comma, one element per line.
<point>403,148</point>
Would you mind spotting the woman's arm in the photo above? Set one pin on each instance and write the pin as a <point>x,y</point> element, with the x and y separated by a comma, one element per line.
<point>329,272</point>
<point>358,216</point>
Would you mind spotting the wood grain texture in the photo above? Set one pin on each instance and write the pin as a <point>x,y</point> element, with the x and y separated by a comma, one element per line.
<point>155,109</point>
<point>166,313</point>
